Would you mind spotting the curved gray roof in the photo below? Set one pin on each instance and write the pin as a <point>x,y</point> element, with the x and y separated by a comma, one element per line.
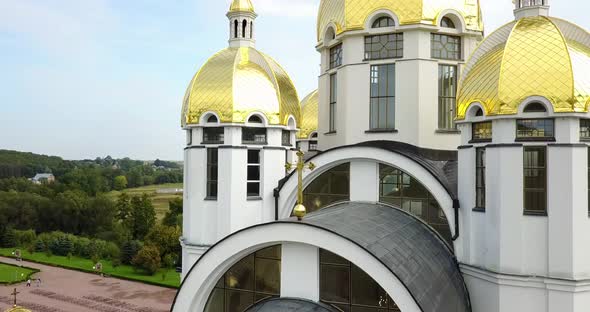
<point>289,305</point>
<point>410,249</point>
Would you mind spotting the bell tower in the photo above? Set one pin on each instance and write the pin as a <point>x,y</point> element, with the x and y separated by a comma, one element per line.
<point>241,17</point>
<point>529,8</point>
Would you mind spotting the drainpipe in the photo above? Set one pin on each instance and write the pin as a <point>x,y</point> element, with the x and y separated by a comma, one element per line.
<point>456,206</point>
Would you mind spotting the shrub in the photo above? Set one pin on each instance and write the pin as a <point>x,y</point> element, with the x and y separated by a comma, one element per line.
<point>25,238</point>
<point>129,250</point>
<point>40,246</point>
<point>111,251</point>
<point>9,239</point>
<point>148,259</point>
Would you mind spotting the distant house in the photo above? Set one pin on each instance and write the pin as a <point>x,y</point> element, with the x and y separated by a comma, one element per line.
<point>43,178</point>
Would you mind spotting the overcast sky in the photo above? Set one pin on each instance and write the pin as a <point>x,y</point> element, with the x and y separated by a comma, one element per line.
<point>87,78</point>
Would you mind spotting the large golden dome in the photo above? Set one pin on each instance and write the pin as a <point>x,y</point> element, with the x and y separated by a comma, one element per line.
<point>238,81</point>
<point>309,115</point>
<point>353,14</point>
<point>533,56</point>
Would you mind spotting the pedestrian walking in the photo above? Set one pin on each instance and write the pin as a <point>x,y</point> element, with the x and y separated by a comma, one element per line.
<point>38,282</point>
<point>29,283</point>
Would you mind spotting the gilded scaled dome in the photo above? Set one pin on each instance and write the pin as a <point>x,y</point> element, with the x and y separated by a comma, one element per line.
<point>532,56</point>
<point>238,81</point>
<point>17,309</point>
<point>353,14</point>
<point>309,115</point>
<point>241,6</point>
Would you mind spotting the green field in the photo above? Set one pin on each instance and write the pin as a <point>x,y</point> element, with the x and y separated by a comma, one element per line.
<point>160,200</point>
<point>13,274</point>
<point>172,278</point>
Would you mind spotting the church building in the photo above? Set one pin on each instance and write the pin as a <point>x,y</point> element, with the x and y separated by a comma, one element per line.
<point>437,168</point>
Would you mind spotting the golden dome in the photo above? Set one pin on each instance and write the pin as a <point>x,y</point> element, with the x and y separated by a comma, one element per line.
<point>309,115</point>
<point>17,309</point>
<point>241,6</point>
<point>236,82</point>
<point>353,14</point>
<point>533,56</point>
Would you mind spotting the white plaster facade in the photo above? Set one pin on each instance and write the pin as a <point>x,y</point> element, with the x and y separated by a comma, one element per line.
<point>510,261</point>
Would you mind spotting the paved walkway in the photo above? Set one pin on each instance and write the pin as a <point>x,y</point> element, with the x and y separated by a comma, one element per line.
<point>72,291</point>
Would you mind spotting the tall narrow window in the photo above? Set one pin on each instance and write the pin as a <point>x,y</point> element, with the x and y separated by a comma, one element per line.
<point>445,47</point>
<point>333,100</point>
<point>236,29</point>
<point>244,25</point>
<point>212,173</point>
<point>253,184</point>
<point>384,46</point>
<point>480,178</point>
<point>336,56</point>
<point>382,97</point>
<point>286,138</point>
<point>251,29</point>
<point>535,180</point>
<point>447,96</point>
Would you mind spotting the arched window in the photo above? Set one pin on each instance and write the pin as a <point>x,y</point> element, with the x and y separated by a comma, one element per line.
<point>255,119</point>
<point>404,191</point>
<point>384,21</point>
<point>330,35</point>
<point>236,29</point>
<point>330,187</point>
<point>479,112</point>
<point>244,25</point>
<point>346,287</point>
<point>535,107</point>
<point>251,29</point>
<point>447,23</point>
<point>212,119</point>
<point>314,135</point>
<point>254,278</point>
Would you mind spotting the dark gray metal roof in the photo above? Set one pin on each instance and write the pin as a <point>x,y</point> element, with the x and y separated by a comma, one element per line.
<point>289,305</point>
<point>410,249</point>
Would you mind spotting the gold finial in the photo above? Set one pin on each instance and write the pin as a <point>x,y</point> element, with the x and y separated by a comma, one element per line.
<point>299,211</point>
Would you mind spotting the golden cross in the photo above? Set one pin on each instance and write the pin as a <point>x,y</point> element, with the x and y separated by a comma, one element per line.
<point>14,293</point>
<point>299,210</point>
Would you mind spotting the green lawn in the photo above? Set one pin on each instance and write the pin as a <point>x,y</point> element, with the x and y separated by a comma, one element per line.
<point>160,200</point>
<point>13,274</point>
<point>126,272</point>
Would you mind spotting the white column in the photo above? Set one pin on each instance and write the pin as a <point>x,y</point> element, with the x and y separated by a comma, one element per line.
<point>364,181</point>
<point>300,271</point>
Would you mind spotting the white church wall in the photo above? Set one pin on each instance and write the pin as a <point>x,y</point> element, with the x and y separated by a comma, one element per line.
<point>300,271</point>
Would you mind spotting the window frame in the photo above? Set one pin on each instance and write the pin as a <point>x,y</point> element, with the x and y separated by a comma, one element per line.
<point>389,99</point>
<point>544,190</point>
<point>210,194</point>
<point>433,40</point>
<point>333,104</point>
<point>398,46</point>
<point>245,131</point>
<point>482,139</point>
<point>377,22</point>
<point>480,175</point>
<point>446,119</point>
<point>286,134</point>
<point>546,138</point>
<point>257,165</point>
<point>585,138</point>
<point>335,58</point>
<point>220,135</point>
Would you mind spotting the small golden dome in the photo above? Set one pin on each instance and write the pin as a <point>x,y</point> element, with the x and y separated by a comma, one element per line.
<point>241,6</point>
<point>236,82</point>
<point>309,115</point>
<point>533,56</point>
<point>17,309</point>
<point>353,14</point>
